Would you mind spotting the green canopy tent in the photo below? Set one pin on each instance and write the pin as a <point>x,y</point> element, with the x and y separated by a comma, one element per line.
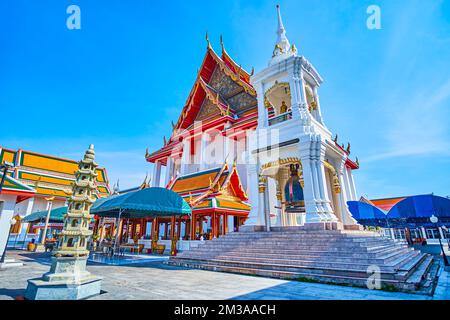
<point>56,215</point>
<point>149,202</point>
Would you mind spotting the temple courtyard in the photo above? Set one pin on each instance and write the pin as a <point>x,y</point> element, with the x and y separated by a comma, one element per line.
<point>152,279</point>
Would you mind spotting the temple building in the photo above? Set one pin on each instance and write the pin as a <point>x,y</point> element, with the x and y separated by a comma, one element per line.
<point>51,178</point>
<point>268,132</point>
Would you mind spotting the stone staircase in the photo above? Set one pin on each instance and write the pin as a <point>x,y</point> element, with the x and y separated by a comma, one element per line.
<point>329,256</point>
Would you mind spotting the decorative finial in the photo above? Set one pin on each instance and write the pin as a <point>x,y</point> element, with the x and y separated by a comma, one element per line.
<point>253,71</point>
<point>357,161</point>
<point>335,138</point>
<point>221,43</point>
<point>348,148</point>
<point>207,40</point>
<point>146,152</point>
<point>282,45</point>
<point>165,141</point>
<point>210,182</point>
<point>173,124</point>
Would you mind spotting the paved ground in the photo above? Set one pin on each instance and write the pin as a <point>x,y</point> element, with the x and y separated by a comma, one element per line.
<point>155,280</point>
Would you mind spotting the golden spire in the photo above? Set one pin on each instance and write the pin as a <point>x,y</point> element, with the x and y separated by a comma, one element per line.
<point>144,183</point>
<point>207,40</point>
<point>221,43</point>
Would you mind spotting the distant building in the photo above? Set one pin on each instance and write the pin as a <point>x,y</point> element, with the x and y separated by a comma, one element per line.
<point>49,176</point>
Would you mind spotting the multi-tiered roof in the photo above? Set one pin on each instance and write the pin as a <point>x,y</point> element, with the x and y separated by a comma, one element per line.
<point>221,98</point>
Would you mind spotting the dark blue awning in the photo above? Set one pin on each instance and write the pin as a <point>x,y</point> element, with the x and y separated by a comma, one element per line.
<point>411,212</point>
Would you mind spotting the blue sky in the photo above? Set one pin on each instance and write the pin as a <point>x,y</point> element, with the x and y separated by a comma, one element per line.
<point>120,80</point>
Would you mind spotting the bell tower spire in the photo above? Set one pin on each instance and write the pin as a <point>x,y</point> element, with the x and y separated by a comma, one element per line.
<point>282,47</point>
<point>282,40</point>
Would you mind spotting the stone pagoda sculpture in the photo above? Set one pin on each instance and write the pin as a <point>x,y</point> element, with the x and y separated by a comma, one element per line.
<point>68,278</point>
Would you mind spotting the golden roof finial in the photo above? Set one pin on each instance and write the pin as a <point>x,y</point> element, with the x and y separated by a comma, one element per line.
<point>165,140</point>
<point>210,182</point>
<point>207,40</point>
<point>253,71</point>
<point>144,183</point>
<point>173,124</point>
<point>146,152</point>
<point>221,43</point>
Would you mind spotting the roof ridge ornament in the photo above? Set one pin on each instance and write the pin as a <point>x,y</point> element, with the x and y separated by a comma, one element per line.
<point>207,40</point>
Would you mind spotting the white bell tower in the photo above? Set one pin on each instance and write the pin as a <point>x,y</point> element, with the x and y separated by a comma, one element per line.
<point>291,130</point>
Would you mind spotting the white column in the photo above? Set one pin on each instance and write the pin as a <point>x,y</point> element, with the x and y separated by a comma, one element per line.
<point>7,204</point>
<point>326,205</point>
<point>230,224</point>
<point>256,215</point>
<point>156,174</point>
<point>319,111</point>
<point>352,183</point>
<point>185,159</point>
<point>295,85</point>
<point>266,205</point>
<point>28,211</point>
<point>347,186</point>
<point>347,218</point>
<point>262,111</point>
<point>312,210</point>
<point>202,157</point>
<point>168,170</point>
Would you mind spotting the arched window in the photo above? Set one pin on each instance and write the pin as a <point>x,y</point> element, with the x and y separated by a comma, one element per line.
<point>70,242</point>
<point>74,223</point>
<point>277,101</point>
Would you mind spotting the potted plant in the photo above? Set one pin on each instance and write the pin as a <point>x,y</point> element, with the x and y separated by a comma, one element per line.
<point>31,245</point>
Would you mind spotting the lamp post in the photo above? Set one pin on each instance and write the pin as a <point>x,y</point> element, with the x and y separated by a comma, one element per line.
<point>40,247</point>
<point>11,222</point>
<point>434,220</point>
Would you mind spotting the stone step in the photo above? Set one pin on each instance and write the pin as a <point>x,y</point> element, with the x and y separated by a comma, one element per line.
<point>337,255</point>
<point>317,256</point>
<point>243,251</point>
<point>354,270</point>
<point>288,246</point>
<point>319,277</point>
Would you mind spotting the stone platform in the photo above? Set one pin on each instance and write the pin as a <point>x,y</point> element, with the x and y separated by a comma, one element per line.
<point>330,256</point>
<point>67,279</point>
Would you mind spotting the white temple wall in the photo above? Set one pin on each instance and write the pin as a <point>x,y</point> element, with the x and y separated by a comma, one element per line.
<point>7,204</point>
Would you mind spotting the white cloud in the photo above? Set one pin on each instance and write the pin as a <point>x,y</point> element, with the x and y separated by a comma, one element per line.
<point>417,126</point>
